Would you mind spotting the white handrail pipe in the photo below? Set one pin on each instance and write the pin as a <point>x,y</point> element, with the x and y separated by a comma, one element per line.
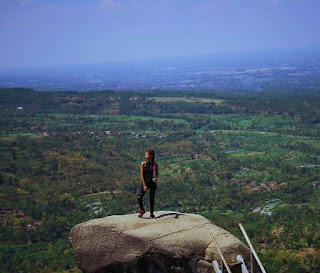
<point>224,261</point>
<point>216,267</point>
<point>243,265</point>
<point>252,249</point>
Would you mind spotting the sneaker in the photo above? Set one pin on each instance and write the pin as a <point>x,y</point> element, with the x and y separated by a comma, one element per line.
<point>152,216</point>
<point>141,212</point>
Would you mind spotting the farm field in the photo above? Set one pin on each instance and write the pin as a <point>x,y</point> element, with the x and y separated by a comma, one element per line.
<point>187,99</point>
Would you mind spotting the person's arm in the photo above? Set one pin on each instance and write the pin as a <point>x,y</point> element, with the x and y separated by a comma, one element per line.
<point>157,171</point>
<point>141,176</point>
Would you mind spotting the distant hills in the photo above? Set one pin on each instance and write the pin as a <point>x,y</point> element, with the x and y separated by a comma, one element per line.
<point>254,71</point>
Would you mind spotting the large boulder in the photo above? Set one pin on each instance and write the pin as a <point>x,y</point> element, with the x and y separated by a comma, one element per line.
<point>174,242</point>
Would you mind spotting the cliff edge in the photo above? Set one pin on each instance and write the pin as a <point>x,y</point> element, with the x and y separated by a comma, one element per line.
<point>174,242</point>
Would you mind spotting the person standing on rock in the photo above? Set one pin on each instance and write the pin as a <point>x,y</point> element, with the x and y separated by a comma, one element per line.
<point>149,176</point>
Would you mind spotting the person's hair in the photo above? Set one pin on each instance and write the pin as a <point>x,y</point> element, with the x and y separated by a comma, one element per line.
<point>150,152</point>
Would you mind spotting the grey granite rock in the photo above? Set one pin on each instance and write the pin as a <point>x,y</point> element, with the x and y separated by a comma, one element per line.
<point>114,243</point>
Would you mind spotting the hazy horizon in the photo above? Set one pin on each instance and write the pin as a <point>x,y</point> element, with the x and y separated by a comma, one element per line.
<point>229,59</point>
<point>51,33</point>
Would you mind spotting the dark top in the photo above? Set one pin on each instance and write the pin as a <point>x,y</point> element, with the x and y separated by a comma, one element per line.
<point>148,172</point>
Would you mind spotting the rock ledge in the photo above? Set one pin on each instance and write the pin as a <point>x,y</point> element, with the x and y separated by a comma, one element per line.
<point>113,243</point>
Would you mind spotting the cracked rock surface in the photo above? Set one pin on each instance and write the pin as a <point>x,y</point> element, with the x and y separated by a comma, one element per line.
<point>123,241</point>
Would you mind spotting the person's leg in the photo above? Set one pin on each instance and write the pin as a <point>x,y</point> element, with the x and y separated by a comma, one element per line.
<point>152,196</point>
<point>140,196</point>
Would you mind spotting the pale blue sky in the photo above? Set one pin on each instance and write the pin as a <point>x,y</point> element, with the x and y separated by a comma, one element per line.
<point>48,32</point>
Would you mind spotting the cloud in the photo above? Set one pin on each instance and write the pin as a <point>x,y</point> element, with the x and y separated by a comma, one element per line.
<point>24,2</point>
<point>106,5</point>
<point>277,2</point>
<point>7,5</point>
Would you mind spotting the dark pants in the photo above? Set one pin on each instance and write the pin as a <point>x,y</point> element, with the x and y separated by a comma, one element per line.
<point>152,188</point>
